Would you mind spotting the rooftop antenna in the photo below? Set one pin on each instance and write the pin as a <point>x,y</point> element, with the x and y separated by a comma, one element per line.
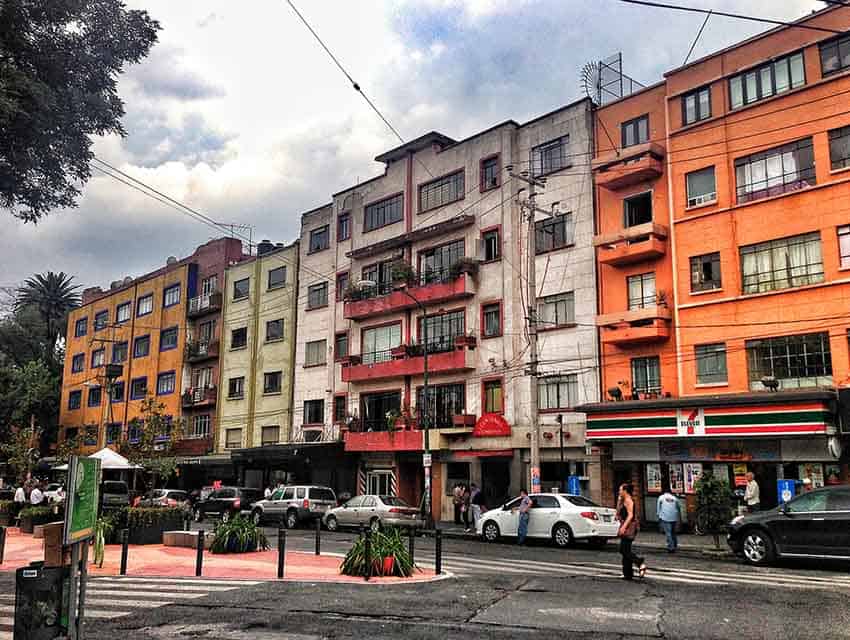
<point>239,231</point>
<point>603,81</point>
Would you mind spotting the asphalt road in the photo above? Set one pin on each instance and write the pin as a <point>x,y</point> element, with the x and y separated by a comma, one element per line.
<point>497,591</point>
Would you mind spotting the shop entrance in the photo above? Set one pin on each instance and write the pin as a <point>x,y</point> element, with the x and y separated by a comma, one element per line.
<point>495,481</point>
<point>765,475</point>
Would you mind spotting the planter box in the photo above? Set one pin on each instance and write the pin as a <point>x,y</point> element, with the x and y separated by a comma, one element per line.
<point>5,519</point>
<point>152,534</point>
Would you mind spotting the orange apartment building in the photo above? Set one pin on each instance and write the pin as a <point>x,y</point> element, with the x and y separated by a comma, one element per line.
<point>723,262</point>
<point>163,330</point>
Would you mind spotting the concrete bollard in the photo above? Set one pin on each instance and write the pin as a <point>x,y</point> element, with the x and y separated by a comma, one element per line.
<point>318,536</point>
<point>125,548</point>
<point>281,552</point>
<point>438,551</point>
<point>411,542</point>
<point>199,560</point>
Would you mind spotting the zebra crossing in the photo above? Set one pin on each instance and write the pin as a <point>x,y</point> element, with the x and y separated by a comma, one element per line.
<point>116,597</point>
<point>478,567</point>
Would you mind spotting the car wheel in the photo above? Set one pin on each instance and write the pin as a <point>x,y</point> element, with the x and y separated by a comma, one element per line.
<point>291,519</point>
<point>490,531</point>
<point>757,547</point>
<point>597,543</point>
<point>375,525</point>
<point>225,516</point>
<point>257,517</point>
<point>562,535</point>
<point>197,516</point>
<point>331,523</point>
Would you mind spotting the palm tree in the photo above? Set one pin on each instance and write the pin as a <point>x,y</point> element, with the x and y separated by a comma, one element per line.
<point>53,295</point>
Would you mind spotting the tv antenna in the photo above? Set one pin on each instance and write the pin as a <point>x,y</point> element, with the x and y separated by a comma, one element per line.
<point>604,81</point>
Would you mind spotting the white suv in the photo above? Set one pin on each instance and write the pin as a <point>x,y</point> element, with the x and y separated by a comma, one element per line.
<point>295,504</point>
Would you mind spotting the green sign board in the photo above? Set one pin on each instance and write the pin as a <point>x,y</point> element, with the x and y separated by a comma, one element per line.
<point>82,498</point>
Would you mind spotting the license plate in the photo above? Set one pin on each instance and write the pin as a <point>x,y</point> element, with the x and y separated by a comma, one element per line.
<point>606,518</point>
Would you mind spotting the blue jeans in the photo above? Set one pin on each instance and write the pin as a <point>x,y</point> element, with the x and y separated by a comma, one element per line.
<point>522,531</point>
<point>669,529</point>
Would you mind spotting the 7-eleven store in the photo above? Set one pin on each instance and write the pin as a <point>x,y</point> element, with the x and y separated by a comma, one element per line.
<point>781,435</point>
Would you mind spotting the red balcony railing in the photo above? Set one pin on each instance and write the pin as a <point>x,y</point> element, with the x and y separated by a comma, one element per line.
<point>457,359</point>
<point>435,292</point>
<point>637,326</point>
<point>634,244</point>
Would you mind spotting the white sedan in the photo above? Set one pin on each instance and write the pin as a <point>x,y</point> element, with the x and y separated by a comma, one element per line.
<point>559,517</point>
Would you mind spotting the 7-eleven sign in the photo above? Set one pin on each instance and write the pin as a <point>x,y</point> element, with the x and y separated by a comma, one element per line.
<point>690,422</point>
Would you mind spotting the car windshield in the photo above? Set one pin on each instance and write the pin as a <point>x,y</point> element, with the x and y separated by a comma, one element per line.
<point>393,501</point>
<point>251,495</point>
<point>177,495</point>
<point>322,494</point>
<point>581,501</point>
<point>115,487</point>
<point>53,487</point>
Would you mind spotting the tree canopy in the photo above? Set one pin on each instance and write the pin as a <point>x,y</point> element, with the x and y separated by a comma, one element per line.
<point>59,67</point>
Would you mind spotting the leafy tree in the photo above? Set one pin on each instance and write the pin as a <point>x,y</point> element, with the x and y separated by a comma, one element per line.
<point>154,450</point>
<point>59,66</point>
<point>28,392</point>
<point>21,451</point>
<point>53,295</point>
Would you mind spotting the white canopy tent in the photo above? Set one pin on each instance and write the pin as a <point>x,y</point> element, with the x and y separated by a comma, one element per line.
<point>109,460</point>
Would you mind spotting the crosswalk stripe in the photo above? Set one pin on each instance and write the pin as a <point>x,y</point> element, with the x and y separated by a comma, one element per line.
<point>174,586</point>
<point>170,581</point>
<point>144,594</point>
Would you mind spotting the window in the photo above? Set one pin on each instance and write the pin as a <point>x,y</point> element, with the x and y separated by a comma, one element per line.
<point>844,246</point>
<point>795,361</point>
<point>782,264</point>
<point>78,362</point>
<point>340,346</point>
<point>554,233</point>
<point>440,331</point>
<point>637,210</point>
<point>767,80</point>
<point>171,296</point>
<point>441,191</point>
<point>557,310</point>
<point>232,438</point>
<point>491,320</point>
<point>144,305</point>
<point>341,285</point>
<point>314,412</point>
<point>775,171</point>
<point>168,339</point>
<point>317,295</point>
<point>81,327</point>
<point>165,383</point>
<point>274,330</point>
<point>277,277</point>
<point>117,392</point>
<point>98,358</point>
<point>343,227</point>
<point>835,55</point>
<point>696,106</point>
<point>444,402</point>
<point>340,408</point>
<point>241,288</point>
<point>378,343</point>
<point>711,363</point>
<point>381,273</point>
<point>272,381</point>
<point>123,312</point>
<point>236,387</point>
<point>705,272</point>
<point>810,503</point>
<point>315,353</point>
<point>374,408</point>
<point>113,433</point>
<point>641,290</point>
<point>75,399</point>
<point>490,178</point>
<point>646,376</point>
<point>270,435</point>
<point>138,388</point>
<point>839,148</point>
<point>200,426</point>
<point>90,436</point>
<point>101,319</point>
<point>435,265</point>
<point>206,331</point>
<point>119,352</point>
<point>551,156</point>
<point>491,245</point>
<point>384,212</point>
<point>141,346</point>
<point>557,392</point>
<point>635,131</point>
<point>493,401</point>
<point>701,187</point>
<point>95,394</point>
<point>209,286</point>
<point>239,338</point>
<point>134,430</point>
<point>320,239</point>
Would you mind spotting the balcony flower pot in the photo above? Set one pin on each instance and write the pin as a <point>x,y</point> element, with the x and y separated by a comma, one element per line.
<point>464,420</point>
<point>465,342</point>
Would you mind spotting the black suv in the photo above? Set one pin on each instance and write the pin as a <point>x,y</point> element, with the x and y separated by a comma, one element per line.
<point>812,525</point>
<point>227,502</point>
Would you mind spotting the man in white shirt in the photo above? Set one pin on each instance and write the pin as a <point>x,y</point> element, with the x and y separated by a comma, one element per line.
<point>20,496</point>
<point>36,496</point>
<point>751,494</point>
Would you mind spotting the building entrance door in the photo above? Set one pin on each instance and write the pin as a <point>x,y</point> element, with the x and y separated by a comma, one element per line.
<point>495,481</point>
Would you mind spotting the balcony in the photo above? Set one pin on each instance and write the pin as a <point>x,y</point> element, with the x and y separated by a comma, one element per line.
<point>638,326</point>
<point>193,446</point>
<point>384,441</point>
<point>318,433</point>
<point>200,397</point>
<point>633,165</point>
<point>201,350</point>
<point>409,363</point>
<point>431,293</point>
<point>633,244</point>
<point>202,305</point>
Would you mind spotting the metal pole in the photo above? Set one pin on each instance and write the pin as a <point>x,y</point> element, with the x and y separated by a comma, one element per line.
<point>411,543</point>
<point>84,574</point>
<point>532,337</point>
<point>2,543</point>
<point>281,552</point>
<point>73,591</point>
<point>563,474</point>
<point>125,540</point>
<point>426,418</point>
<point>318,536</point>
<point>199,560</point>
<point>438,552</point>
<point>368,553</point>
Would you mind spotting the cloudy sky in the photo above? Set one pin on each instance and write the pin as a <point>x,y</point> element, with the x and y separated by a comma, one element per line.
<point>238,113</point>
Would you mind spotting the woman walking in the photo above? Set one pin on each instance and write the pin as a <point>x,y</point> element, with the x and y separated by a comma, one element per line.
<point>628,531</point>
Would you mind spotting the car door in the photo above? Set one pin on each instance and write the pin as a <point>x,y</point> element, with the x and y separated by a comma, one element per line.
<point>224,502</point>
<point>509,518</point>
<point>838,523</point>
<point>798,527</point>
<point>286,497</point>
<point>543,515</point>
<point>207,506</point>
<point>350,511</point>
<point>367,510</point>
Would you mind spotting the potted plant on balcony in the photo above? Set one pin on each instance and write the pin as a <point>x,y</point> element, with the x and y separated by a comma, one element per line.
<point>414,350</point>
<point>353,293</point>
<point>402,272</point>
<point>395,421</point>
<point>464,265</point>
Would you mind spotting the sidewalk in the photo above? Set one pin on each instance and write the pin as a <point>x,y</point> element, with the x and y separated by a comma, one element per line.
<point>649,538</point>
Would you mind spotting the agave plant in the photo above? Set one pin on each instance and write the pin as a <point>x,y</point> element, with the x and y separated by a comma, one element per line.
<point>238,535</point>
<point>388,555</point>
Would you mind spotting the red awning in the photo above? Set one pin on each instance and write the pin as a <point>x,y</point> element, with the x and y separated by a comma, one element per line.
<point>476,453</point>
<point>491,425</point>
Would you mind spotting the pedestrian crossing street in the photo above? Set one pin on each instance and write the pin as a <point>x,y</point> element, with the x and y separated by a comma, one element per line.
<point>115,597</point>
<point>477,567</point>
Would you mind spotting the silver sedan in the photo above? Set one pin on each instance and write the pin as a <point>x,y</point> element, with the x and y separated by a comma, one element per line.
<point>374,511</point>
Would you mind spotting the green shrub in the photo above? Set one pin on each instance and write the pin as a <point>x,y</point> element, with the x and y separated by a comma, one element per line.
<point>389,543</point>
<point>152,516</point>
<point>37,513</point>
<point>239,535</point>
<point>6,506</point>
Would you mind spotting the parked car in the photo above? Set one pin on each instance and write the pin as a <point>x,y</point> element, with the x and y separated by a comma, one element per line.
<point>114,494</point>
<point>296,504</point>
<point>562,518</point>
<point>226,502</point>
<point>54,492</point>
<point>812,525</point>
<point>374,511</point>
<point>164,498</point>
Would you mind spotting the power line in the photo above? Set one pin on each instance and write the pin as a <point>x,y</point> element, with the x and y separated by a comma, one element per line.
<point>699,33</point>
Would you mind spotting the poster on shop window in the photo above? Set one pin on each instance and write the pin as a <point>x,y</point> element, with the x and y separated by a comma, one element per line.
<point>693,470</point>
<point>833,474</point>
<point>813,471</point>
<point>653,477</point>
<point>677,484</point>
